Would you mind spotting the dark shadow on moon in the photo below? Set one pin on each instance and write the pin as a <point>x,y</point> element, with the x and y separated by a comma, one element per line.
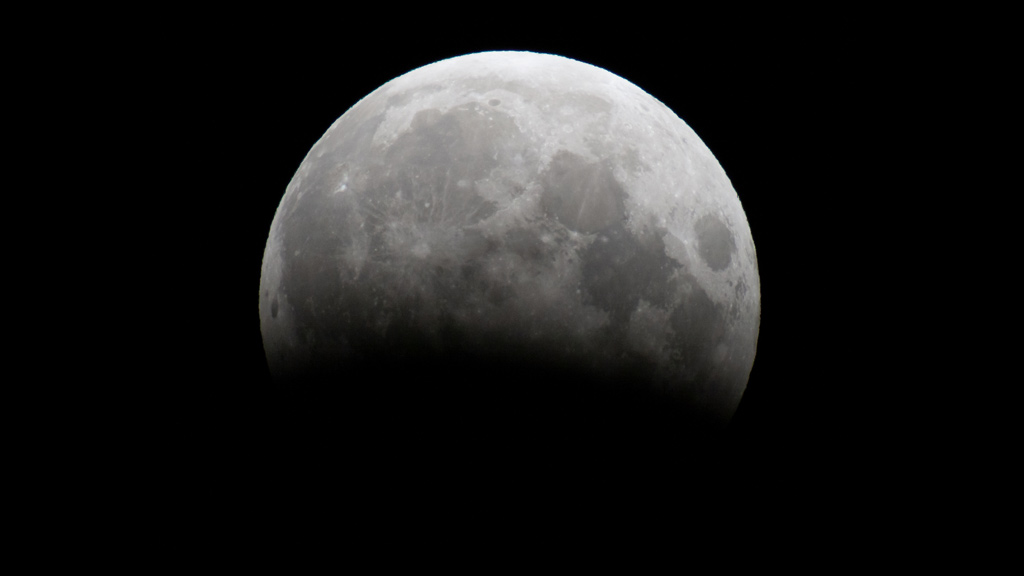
<point>515,408</point>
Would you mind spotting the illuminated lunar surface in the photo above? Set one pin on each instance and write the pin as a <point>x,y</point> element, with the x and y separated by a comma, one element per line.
<point>527,217</point>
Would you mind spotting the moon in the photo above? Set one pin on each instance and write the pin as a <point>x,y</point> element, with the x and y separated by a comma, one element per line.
<point>513,227</point>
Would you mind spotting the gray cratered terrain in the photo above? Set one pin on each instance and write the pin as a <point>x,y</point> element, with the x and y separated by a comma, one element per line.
<point>513,209</point>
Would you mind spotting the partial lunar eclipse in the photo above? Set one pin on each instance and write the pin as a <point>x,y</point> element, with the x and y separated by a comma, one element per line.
<point>514,205</point>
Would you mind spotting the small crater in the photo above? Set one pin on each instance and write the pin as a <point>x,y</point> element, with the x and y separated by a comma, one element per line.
<point>494,102</point>
<point>273,308</point>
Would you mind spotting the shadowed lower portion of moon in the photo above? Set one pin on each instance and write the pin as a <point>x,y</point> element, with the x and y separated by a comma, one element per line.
<point>476,234</point>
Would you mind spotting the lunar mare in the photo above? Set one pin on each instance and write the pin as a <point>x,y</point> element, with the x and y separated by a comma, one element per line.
<point>515,206</point>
